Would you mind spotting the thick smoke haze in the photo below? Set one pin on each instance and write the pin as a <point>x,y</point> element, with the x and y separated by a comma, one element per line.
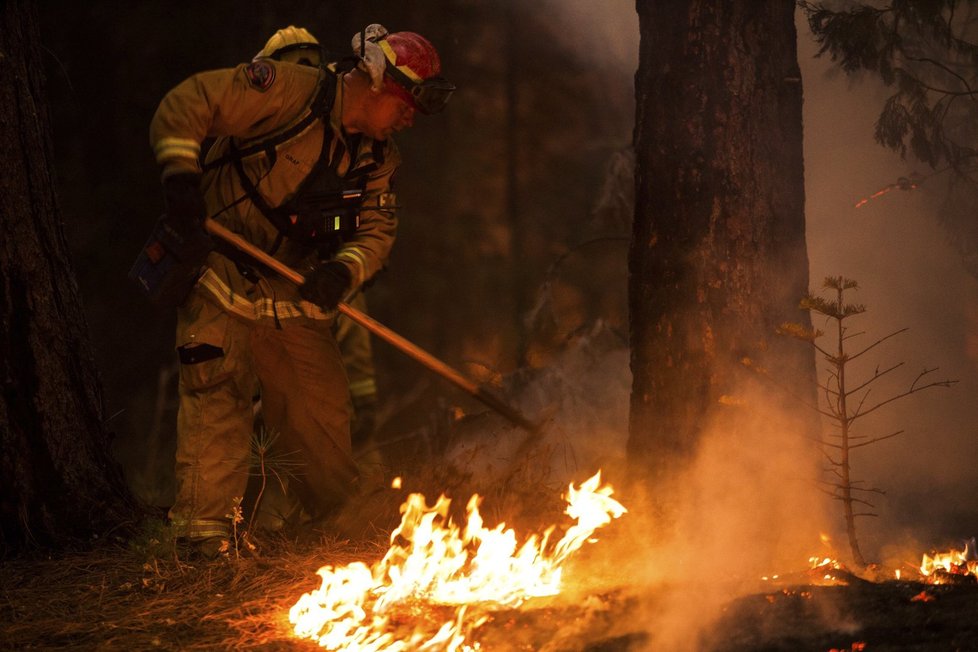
<point>751,507</point>
<point>909,277</point>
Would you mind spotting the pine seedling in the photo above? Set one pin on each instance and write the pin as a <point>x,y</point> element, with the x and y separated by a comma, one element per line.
<point>267,463</point>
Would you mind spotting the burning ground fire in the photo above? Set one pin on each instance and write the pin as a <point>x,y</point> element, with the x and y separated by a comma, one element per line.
<point>952,567</point>
<point>444,579</point>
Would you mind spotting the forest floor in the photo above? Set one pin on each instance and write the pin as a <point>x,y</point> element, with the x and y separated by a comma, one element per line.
<point>122,596</point>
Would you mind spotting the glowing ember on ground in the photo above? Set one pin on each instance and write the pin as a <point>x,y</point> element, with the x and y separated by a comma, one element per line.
<point>825,566</point>
<point>434,570</point>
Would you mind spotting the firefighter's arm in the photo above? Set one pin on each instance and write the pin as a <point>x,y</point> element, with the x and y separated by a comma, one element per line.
<point>367,252</point>
<point>245,102</point>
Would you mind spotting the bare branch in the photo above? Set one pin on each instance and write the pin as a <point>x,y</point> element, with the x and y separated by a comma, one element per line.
<point>833,375</point>
<point>822,351</point>
<point>848,336</point>
<point>913,390</point>
<point>858,411</point>
<point>875,439</point>
<point>876,376</point>
<point>830,414</point>
<point>877,343</point>
<point>826,389</point>
<point>943,383</point>
<point>830,402</point>
<point>830,460</point>
<point>870,490</point>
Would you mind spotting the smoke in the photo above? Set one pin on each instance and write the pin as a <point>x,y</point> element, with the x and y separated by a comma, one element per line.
<point>910,276</point>
<point>599,34</point>
<point>747,506</point>
<point>580,398</point>
<point>745,509</point>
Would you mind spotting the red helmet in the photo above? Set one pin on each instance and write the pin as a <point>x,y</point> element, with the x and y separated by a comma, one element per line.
<point>413,71</point>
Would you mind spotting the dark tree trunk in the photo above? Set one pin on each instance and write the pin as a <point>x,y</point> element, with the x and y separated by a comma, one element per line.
<point>57,481</point>
<point>718,257</point>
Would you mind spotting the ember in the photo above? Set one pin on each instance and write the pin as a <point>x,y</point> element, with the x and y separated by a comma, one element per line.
<point>827,571</point>
<point>418,595</point>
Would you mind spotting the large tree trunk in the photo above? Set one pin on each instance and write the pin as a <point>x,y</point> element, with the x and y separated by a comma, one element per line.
<point>56,477</point>
<point>718,257</point>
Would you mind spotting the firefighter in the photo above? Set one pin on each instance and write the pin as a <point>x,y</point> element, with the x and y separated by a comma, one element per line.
<point>301,167</point>
<point>278,506</point>
<point>298,45</point>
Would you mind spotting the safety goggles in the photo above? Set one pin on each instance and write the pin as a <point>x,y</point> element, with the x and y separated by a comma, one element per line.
<point>429,95</point>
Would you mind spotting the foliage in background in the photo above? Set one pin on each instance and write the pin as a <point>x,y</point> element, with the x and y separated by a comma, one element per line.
<point>921,53</point>
<point>925,53</point>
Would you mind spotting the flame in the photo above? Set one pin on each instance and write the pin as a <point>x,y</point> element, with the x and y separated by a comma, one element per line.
<point>825,566</point>
<point>954,562</point>
<point>432,563</point>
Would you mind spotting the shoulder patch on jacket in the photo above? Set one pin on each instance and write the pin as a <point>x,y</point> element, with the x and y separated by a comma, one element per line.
<point>261,74</point>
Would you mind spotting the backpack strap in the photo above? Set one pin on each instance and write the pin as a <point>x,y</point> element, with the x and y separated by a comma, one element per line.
<point>321,107</point>
<point>281,217</point>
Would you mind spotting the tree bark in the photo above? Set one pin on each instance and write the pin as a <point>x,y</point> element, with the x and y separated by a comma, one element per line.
<point>718,258</point>
<point>57,480</point>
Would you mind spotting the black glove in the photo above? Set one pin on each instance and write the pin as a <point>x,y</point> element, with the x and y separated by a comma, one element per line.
<point>326,284</point>
<point>184,203</point>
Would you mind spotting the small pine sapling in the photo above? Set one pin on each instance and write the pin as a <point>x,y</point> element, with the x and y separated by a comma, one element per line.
<point>846,400</point>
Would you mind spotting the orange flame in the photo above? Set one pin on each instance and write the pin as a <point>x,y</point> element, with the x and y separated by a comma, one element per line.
<point>432,560</point>
<point>955,562</point>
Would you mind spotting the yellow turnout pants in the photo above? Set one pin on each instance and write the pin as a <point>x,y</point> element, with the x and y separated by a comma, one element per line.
<point>298,370</point>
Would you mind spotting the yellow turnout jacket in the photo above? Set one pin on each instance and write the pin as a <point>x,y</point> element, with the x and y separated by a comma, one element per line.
<point>253,103</point>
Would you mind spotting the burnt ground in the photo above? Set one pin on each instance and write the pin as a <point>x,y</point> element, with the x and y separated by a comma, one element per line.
<point>128,597</point>
<point>875,617</point>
